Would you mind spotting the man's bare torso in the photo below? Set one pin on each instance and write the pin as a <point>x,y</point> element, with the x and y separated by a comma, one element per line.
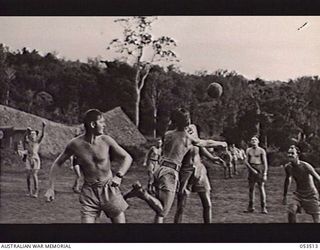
<point>304,180</point>
<point>94,159</point>
<point>176,145</point>
<point>255,155</point>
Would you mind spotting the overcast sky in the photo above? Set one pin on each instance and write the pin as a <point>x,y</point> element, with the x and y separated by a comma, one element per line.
<point>255,46</point>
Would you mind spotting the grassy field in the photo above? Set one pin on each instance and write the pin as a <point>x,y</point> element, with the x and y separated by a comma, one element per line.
<point>229,198</point>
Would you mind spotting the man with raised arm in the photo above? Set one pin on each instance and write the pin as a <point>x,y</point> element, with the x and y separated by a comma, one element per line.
<point>177,143</point>
<point>32,142</point>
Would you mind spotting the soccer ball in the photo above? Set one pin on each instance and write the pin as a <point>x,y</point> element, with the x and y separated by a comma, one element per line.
<point>214,90</point>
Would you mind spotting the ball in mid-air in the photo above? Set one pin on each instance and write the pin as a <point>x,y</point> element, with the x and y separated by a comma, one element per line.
<point>214,90</point>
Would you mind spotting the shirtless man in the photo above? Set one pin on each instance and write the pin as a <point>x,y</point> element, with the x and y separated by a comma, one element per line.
<point>100,191</point>
<point>306,195</point>
<point>177,143</point>
<point>193,178</point>
<point>32,142</point>
<point>152,163</point>
<point>236,155</point>
<point>256,162</point>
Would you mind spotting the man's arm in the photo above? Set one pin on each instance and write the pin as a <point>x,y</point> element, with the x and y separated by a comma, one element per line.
<point>313,172</point>
<point>287,183</point>
<point>205,143</point>
<point>207,154</point>
<point>126,162</point>
<point>265,164</point>
<point>66,154</point>
<point>42,132</point>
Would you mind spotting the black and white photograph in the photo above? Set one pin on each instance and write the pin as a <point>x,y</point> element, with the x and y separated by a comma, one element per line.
<point>159,119</point>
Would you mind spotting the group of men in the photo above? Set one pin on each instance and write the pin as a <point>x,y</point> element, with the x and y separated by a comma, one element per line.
<point>174,166</point>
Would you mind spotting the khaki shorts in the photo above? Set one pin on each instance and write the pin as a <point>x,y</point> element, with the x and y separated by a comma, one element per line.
<point>309,203</point>
<point>256,178</point>
<point>101,197</point>
<point>195,180</point>
<point>33,163</point>
<point>166,179</point>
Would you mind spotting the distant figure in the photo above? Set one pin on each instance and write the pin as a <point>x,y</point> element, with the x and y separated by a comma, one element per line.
<point>32,142</point>
<point>226,156</point>
<point>151,161</point>
<point>257,165</point>
<point>100,191</point>
<point>306,195</point>
<point>236,157</point>
<point>76,168</point>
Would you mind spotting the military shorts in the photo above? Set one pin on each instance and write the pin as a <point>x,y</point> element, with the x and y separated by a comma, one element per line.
<point>101,196</point>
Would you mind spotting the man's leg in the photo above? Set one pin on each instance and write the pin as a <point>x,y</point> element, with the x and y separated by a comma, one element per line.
<point>166,198</point>
<point>140,192</point>
<point>316,218</point>
<point>234,164</point>
<point>88,219</point>
<point>251,196</point>
<point>36,183</point>
<point>29,182</point>
<point>207,206</point>
<point>121,218</point>
<point>263,198</point>
<point>292,213</point>
<point>181,203</point>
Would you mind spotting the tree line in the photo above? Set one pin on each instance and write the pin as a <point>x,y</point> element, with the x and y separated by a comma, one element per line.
<point>282,113</point>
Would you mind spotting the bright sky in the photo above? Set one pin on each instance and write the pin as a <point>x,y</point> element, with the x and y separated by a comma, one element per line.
<point>268,47</point>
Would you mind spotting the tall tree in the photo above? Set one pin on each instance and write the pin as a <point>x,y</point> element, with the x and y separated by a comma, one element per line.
<point>142,50</point>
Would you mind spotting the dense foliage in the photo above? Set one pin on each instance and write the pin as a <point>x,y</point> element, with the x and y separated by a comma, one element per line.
<point>281,112</point>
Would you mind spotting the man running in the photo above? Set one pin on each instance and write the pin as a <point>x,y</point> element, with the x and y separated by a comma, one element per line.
<point>257,165</point>
<point>193,178</point>
<point>177,143</point>
<point>152,163</point>
<point>100,191</point>
<point>306,195</point>
<point>31,144</point>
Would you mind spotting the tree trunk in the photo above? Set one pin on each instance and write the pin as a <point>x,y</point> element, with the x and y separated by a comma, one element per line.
<point>155,117</point>
<point>137,107</point>
<point>7,95</point>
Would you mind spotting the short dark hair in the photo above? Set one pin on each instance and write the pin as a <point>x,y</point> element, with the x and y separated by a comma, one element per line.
<point>296,148</point>
<point>91,115</point>
<point>180,118</point>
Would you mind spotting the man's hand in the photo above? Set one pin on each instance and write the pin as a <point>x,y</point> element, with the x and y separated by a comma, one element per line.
<point>284,200</point>
<point>116,181</point>
<point>222,162</point>
<point>224,144</point>
<point>49,195</point>
<point>264,178</point>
